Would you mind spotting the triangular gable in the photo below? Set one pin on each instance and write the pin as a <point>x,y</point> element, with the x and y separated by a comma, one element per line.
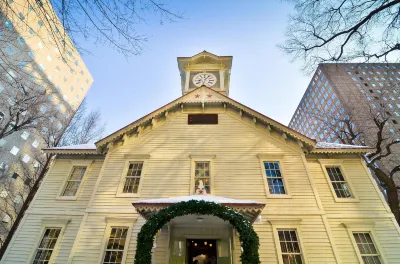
<point>205,95</point>
<point>204,57</point>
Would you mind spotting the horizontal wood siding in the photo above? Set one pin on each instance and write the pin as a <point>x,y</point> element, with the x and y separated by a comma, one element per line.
<point>46,198</point>
<point>386,235</point>
<point>369,200</point>
<point>235,146</point>
<point>312,232</point>
<point>27,239</point>
<point>89,248</point>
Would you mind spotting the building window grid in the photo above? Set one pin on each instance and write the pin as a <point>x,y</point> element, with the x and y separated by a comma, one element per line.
<point>74,181</point>
<point>366,247</point>
<point>202,173</point>
<point>290,247</point>
<point>338,182</point>
<point>46,246</point>
<point>114,251</point>
<point>132,179</point>
<point>274,177</point>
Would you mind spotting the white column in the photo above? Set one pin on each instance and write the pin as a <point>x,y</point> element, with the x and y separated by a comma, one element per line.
<point>187,81</point>
<point>221,80</point>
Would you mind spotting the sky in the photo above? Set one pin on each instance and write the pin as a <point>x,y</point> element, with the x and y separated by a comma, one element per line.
<point>262,76</point>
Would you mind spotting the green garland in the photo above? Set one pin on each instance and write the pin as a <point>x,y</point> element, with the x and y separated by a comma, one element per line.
<point>248,238</point>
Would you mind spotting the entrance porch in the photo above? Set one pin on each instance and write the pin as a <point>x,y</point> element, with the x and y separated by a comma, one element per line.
<point>198,238</point>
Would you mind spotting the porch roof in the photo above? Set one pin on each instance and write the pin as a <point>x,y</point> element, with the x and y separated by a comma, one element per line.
<point>248,208</point>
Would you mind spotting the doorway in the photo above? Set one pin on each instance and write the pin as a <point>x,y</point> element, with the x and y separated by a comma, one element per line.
<point>201,251</point>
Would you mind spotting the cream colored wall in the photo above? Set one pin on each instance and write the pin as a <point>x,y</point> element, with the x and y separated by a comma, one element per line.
<point>24,244</point>
<point>237,174</point>
<point>46,205</point>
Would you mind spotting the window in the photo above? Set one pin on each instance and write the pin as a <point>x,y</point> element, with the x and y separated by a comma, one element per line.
<point>25,135</point>
<point>35,144</point>
<point>366,247</point>
<point>26,158</point>
<point>10,50</point>
<point>132,178</point>
<point>114,251</point>
<point>31,54</point>
<point>46,246</point>
<point>2,142</point>
<point>203,119</point>
<point>290,247</point>
<point>43,109</point>
<point>202,174</point>
<point>338,182</point>
<point>74,181</point>
<point>14,150</point>
<point>274,177</point>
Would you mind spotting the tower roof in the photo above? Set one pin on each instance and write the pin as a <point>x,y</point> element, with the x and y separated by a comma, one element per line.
<point>204,57</point>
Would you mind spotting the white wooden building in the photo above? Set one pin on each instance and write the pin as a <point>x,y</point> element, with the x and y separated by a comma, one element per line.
<point>308,202</point>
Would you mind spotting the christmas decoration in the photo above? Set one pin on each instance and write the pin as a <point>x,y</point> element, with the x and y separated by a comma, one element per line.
<point>247,236</point>
<point>201,189</point>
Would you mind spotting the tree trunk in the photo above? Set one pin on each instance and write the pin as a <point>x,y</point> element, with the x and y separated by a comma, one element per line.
<point>24,207</point>
<point>391,191</point>
<point>393,200</point>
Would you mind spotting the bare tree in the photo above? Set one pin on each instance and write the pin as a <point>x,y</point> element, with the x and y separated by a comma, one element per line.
<point>17,192</point>
<point>69,23</point>
<point>343,30</point>
<point>372,128</point>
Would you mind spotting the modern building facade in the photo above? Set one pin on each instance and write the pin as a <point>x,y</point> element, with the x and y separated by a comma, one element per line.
<point>308,202</point>
<point>357,90</point>
<point>30,56</point>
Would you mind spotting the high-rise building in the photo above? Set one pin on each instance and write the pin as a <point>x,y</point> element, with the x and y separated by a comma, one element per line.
<point>339,89</point>
<point>207,179</point>
<point>31,55</point>
<point>356,91</point>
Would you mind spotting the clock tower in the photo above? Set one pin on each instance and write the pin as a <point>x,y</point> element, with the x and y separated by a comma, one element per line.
<point>205,69</point>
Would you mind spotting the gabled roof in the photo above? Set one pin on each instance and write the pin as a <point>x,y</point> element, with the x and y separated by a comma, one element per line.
<point>248,208</point>
<point>327,147</point>
<point>225,60</point>
<point>205,95</point>
<point>320,147</point>
<point>89,148</point>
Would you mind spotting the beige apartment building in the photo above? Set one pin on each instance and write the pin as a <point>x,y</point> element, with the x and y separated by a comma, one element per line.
<point>357,90</point>
<point>29,53</point>
<point>160,190</point>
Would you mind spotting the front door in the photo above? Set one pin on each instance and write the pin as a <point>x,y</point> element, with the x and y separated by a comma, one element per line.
<point>201,251</point>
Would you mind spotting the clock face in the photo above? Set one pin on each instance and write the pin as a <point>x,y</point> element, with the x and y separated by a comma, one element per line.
<point>204,78</point>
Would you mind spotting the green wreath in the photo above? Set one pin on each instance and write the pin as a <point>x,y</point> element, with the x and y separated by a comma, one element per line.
<point>248,237</point>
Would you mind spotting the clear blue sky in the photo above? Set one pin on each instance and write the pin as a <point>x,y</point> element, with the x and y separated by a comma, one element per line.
<point>262,76</point>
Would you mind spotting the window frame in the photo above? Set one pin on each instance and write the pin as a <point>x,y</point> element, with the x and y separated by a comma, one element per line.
<point>50,223</point>
<point>117,222</point>
<point>364,227</point>
<point>274,158</point>
<point>130,159</point>
<point>201,158</point>
<point>65,181</point>
<point>287,224</point>
<point>338,163</point>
